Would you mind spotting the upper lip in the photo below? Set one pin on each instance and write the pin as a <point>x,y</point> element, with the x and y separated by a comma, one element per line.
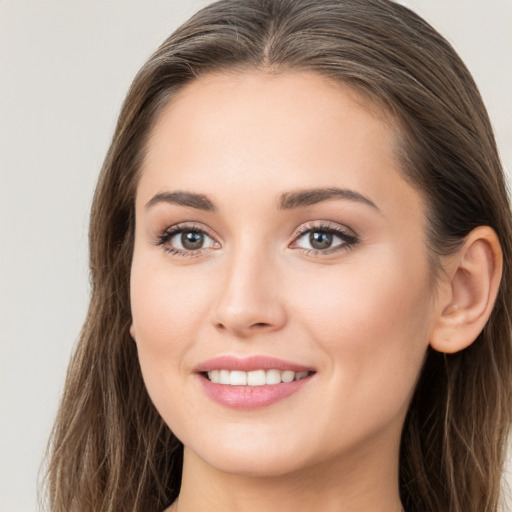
<point>248,364</point>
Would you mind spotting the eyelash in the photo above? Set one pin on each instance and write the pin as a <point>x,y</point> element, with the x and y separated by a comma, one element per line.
<point>167,235</point>
<point>348,237</point>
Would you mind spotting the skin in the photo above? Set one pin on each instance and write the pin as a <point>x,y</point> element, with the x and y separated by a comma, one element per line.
<point>361,316</point>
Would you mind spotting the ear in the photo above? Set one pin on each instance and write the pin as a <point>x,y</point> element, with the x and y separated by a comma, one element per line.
<point>467,298</point>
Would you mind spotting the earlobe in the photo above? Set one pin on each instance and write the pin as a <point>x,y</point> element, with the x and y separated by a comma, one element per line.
<point>466,304</point>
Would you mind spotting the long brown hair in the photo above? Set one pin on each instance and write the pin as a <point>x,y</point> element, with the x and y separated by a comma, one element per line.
<point>110,450</point>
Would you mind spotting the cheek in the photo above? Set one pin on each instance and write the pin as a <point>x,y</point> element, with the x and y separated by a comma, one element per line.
<point>166,313</point>
<point>372,322</point>
<point>381,296</point>
<point>165,305</point>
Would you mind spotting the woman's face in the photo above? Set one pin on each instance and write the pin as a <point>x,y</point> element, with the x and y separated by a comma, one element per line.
<point>280,280</point>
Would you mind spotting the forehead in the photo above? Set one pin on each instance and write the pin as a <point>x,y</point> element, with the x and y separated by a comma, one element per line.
<point>261,103</point>
<point>271,133</point>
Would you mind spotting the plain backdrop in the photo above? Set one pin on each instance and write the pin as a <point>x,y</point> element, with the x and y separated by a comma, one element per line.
<point>64,69</point>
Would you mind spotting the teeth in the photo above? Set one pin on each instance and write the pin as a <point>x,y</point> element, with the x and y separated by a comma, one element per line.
<point>273,377</point>
<point>224,376</point>
<point>237,378</point>
<point>288,376</point>
<point>254,378</point>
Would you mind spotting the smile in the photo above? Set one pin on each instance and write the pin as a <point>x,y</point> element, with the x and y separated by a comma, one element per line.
<point>252,382</point>
<point>255,377</point>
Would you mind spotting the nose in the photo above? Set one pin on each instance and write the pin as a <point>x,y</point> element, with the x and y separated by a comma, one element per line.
<point>250,300</point>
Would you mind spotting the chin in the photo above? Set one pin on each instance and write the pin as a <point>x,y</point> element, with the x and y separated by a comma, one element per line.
<point>251,454</point>
<point>250,463</point>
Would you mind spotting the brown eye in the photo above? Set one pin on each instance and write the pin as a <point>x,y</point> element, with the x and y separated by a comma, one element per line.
<point>320,240</point>
<point>325,240</point>
<point>192,240</point>
<point>186,241</point>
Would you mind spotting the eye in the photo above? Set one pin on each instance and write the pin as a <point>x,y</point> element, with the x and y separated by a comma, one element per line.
<point>186,240</point>
<point>191,240</point>
<point>324,239</point>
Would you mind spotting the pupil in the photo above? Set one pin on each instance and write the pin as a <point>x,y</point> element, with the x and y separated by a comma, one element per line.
<point>320,239</point>
<point>192,240</point>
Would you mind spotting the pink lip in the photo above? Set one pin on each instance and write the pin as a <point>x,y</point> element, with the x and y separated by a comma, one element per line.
<point>248,364</point>
<point>250,397</point>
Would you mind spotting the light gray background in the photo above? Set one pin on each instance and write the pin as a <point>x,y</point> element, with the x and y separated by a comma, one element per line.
<point>64,69</point>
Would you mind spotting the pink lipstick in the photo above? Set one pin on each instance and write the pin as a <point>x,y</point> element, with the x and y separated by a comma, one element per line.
<point>253,382</point>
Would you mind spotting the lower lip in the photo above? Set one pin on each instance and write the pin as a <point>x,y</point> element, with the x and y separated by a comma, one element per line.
<point>251,397</point>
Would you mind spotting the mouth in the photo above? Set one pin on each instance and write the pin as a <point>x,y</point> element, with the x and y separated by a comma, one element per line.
<point>254,378</point>
<point>252,382</point>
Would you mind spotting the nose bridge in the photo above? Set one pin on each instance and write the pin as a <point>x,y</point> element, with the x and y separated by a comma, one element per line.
<point>249,299</point>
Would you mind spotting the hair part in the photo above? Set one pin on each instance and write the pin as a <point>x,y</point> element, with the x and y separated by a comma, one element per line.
<point>110,450</point>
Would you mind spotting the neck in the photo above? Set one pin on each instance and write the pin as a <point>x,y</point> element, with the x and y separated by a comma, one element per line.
<point>356,483</point>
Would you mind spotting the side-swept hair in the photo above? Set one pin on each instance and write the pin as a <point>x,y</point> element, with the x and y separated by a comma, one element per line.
<point>110,451</point>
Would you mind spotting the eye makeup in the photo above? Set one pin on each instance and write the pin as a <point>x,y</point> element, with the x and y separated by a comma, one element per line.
<point>186,240</point>
<point>315,238</point>
<point>324,237</point>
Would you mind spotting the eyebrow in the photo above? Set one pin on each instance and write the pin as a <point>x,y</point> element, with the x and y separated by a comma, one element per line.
<point>287,201</point>
<point>198,201</point>
<point>304,198</point>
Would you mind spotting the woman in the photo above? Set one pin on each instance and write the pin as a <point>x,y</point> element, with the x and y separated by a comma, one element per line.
<point>300,282</point>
